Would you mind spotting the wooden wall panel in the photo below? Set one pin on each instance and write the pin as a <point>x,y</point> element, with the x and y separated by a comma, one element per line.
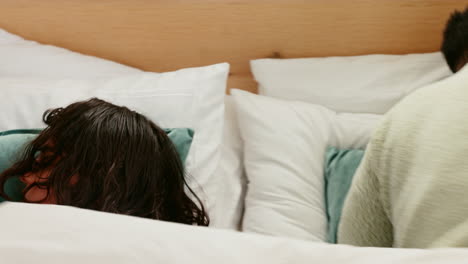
<point>164,35</point>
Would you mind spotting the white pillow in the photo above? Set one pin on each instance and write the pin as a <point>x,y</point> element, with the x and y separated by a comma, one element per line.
<point>230,173</point>
<point>25,58</point>
<point>192,97</point>
<point>357,84</point>
<point>284,153</point>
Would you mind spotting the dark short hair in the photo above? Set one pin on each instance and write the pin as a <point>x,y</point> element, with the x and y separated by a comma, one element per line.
<point>455,42</point>
<point>124,164</point>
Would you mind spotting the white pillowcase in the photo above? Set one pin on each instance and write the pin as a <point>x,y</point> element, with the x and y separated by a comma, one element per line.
<point>25,58</point>
<point>284,153</point>
<point>230,174</point>
<point>357,84</point>
<point>192,97</point>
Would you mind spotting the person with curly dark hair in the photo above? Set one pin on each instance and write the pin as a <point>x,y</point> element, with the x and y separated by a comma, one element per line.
<point>100,156</point>
<point>455,42</point>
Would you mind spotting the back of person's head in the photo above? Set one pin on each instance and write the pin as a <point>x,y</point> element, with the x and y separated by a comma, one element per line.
<point>109,158</point>
<point>455,42</point>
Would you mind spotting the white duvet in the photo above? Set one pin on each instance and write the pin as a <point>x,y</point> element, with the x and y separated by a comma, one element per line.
<point>57,234</point>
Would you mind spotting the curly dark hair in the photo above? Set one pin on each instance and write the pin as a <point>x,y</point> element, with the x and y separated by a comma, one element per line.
<point>124,164</point>
<point>455,41</point>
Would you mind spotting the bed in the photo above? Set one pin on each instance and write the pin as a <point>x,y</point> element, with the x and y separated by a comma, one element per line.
<point>168,35</point>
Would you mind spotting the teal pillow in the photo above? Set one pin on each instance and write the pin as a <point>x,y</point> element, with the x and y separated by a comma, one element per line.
<point>182,140</point>
<point>13,141</point>
<point>340,166</point>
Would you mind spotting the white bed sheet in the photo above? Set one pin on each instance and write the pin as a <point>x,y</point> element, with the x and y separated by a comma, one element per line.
<point>31,233</point>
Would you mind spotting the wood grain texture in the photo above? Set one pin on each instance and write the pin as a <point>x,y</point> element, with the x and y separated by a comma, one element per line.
<point>165,35</point>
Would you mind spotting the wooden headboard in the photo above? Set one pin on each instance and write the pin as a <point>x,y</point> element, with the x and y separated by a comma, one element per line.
<point>165,35</point>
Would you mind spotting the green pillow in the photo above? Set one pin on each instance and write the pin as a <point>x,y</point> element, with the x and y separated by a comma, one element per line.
<point>340,166</point>
<point>182,140</point>
<point>12,142</point>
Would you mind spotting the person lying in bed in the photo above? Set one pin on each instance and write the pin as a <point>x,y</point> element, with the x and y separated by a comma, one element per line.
<point>411,189</point>
<point>104,157</point>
